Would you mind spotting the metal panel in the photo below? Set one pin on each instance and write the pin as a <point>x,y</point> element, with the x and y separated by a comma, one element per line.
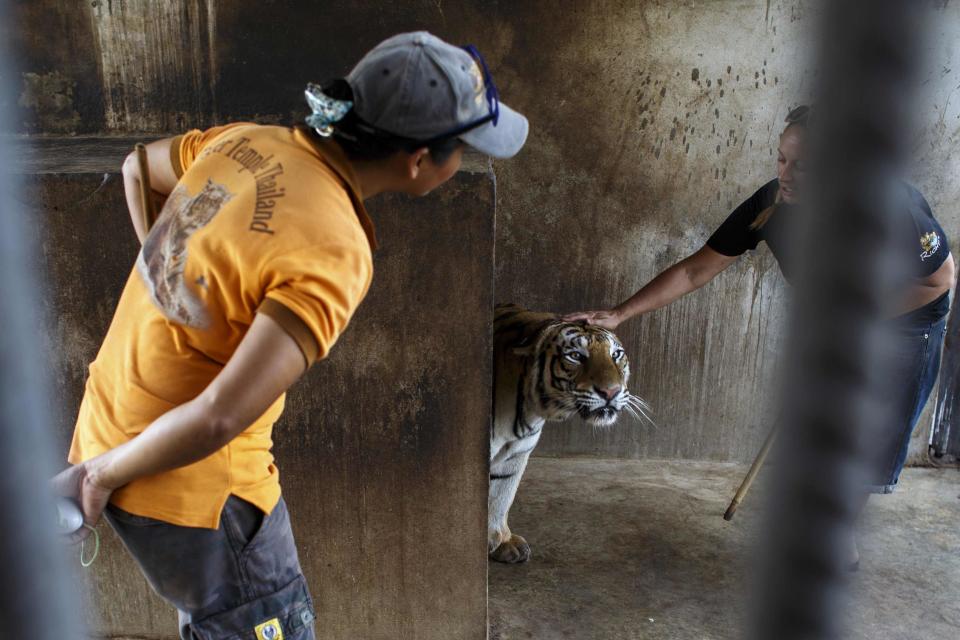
<point>383,446</point>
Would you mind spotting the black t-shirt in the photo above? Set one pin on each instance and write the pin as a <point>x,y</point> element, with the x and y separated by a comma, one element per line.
<point>923,240</point>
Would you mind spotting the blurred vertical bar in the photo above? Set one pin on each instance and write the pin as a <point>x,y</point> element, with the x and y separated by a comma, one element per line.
<point>867,58</point>
<point>36,590</point>
<point>945,435</point>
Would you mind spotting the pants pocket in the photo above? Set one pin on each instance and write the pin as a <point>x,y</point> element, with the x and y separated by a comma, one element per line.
<point>243,522</point>
<point>287,613</point>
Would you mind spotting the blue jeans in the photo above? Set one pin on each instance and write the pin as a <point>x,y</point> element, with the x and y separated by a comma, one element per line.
<point>916,363</point>
<point>240,581</point>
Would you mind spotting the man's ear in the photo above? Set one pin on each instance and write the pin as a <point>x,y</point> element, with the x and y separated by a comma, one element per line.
<point>414,161</point>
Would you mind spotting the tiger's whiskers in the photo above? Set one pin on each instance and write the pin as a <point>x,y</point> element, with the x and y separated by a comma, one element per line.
<point>640,408</point>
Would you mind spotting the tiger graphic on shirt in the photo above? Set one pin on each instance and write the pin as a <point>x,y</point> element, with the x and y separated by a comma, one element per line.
<point>163,258</point>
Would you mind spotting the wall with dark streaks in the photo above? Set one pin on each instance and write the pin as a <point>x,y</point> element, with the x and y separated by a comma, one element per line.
<point>663,116</point>
<point>650,121</point>
<point>382,447</point>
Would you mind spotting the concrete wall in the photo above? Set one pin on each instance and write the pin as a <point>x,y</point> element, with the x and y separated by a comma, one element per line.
<point>650,121</point>
<point>383,446</point>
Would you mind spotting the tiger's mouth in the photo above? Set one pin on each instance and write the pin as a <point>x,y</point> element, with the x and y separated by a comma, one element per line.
<point>603,416</point>
<point>598,414</point>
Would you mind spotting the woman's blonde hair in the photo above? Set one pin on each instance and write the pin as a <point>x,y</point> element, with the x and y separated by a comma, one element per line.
<point>762,218</point>
<point>799,116</point>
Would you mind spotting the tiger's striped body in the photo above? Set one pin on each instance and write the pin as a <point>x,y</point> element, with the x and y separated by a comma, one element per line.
<point>545,370</point>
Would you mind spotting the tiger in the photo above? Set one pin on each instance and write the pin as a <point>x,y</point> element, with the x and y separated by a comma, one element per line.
<point>545,369</point>
<point>163,258</point>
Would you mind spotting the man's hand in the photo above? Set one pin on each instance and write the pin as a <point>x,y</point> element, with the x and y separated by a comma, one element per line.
<point>265,364</point>
<point>267,361</point>
<point>76,482</point>
<point>606,319</point>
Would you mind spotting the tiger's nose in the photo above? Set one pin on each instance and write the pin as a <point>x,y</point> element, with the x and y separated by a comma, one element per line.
<point>610,392</point>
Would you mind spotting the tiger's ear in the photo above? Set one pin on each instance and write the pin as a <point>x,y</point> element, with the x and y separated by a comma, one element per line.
<point>526,346</point>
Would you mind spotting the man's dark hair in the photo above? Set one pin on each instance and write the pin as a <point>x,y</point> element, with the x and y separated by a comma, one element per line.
<point>359,143</point>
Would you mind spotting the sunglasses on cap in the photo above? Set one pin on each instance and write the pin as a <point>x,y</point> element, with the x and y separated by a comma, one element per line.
<point>491,94</point>
<point>799,114</point>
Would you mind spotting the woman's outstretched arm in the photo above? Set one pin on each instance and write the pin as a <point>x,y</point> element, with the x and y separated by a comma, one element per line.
<point>675,282</point>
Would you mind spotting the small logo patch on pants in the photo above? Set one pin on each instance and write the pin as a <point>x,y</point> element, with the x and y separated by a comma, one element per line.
<point>269,630</point>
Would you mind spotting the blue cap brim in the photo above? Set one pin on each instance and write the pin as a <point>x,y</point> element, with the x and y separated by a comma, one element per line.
<point>503,140</point>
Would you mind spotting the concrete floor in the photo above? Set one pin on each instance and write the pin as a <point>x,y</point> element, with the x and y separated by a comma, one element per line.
<point>626,550</point>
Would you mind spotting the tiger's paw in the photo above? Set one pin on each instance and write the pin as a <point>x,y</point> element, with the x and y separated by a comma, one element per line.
<point>513,551</point>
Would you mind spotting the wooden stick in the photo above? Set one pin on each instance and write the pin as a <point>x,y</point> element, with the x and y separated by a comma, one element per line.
<point>146,193</point>
<point>751,475</point>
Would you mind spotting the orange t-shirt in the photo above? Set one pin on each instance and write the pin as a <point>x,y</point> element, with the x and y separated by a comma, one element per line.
<point>263,219</point>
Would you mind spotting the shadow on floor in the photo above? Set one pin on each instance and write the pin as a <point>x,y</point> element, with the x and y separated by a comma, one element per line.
<point>626,550</point>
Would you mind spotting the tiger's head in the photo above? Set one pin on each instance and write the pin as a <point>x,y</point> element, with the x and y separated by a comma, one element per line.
<point>573,368</point>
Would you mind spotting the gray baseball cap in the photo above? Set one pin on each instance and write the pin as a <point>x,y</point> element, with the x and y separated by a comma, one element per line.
<point>417,86</point>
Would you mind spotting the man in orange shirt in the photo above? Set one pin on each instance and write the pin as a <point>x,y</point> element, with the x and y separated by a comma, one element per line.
<point>260,256</point>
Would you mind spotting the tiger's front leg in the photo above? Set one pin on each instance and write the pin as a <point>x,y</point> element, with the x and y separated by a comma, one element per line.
<point>506,470</point>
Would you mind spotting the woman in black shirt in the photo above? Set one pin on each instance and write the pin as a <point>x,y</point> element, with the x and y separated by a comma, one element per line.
<point>766,216</point>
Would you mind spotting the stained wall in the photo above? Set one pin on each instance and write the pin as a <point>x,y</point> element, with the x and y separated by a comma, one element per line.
<point>650,121</point>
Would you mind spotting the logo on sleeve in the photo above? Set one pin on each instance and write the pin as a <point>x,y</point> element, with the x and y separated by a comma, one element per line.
<point>269,630</point>
<point>930,243</point>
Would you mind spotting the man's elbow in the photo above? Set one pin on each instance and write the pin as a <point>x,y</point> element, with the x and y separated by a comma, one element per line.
<point>221,430</point>
<point>220,424</point>
<point>130,168</point>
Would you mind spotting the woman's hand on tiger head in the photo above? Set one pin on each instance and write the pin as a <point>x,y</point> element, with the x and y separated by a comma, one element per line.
<point>608,319</point>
